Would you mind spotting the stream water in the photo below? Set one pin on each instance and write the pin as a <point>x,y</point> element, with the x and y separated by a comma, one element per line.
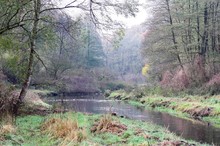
<point>188,129</point>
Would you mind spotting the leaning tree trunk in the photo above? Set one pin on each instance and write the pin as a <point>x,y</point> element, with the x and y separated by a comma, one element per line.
<point>32,45</point>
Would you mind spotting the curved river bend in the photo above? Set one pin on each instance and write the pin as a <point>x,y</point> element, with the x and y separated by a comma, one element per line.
<point>197,131</point>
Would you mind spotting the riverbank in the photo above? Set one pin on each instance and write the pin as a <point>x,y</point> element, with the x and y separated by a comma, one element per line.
<point>88,130</point>
<point>202,108</point>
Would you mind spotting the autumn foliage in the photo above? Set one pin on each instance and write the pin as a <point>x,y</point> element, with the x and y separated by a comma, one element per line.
<point>178,81</point>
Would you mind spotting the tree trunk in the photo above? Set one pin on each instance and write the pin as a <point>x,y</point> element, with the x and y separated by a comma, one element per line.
<point>205,33</point>
<point>32,45</point>
<point>173,34</point>
<point>198,26</point>
<point>204,46</point>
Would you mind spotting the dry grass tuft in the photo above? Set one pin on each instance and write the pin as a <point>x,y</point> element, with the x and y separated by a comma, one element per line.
<point>65,129</point>
<point>107,124</point>
<point>6,129</point>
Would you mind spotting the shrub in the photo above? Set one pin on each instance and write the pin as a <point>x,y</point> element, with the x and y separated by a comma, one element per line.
<point>199,71</point>
<point>213,86</point>
<point>166,79</point>
<point>7,101</point>
<point>180,80</point>
<point>215,80</point>
<point>177,81</point>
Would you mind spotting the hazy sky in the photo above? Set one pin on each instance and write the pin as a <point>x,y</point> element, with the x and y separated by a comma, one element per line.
<point>132,21</point>
<point>129,22</point>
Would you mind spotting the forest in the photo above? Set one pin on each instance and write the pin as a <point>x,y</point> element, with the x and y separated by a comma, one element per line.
<point>87,72</point>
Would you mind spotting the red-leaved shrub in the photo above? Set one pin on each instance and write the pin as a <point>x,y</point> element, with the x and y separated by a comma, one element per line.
<point>166,79</point>
<point>215,80</point>
<point>177,81</point>
<point>199,71</point>
<point>180,80</point>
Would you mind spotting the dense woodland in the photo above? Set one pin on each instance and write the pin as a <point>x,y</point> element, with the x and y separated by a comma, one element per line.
<point>182,43</point>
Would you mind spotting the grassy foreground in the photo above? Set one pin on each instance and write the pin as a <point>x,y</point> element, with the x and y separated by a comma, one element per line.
<point>205,108</point>
<point>83,129</point>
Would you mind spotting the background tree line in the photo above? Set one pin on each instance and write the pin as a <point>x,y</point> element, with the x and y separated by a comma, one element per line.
<point>124,57</point>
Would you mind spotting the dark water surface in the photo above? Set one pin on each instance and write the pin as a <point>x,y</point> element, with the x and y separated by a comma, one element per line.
<point>197,131</point>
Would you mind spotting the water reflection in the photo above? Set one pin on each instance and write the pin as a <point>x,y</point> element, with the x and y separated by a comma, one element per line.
<point>185,128</point>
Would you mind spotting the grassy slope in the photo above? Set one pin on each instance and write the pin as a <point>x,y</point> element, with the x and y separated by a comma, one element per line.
<point>185,107</point>
<point>29,132</point>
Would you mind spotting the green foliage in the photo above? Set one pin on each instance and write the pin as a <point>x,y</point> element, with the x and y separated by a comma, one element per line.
<point>12,60</point>
<point>14,67</point>
<point>118,37</point>
<point>93,51</point>
<point>8,44</point>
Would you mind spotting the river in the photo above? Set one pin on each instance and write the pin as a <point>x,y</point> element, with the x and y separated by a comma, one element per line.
<point>188,129</point>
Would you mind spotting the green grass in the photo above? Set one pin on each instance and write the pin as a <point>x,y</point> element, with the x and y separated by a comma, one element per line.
<point>181,106</point>
<point>29,132</point>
